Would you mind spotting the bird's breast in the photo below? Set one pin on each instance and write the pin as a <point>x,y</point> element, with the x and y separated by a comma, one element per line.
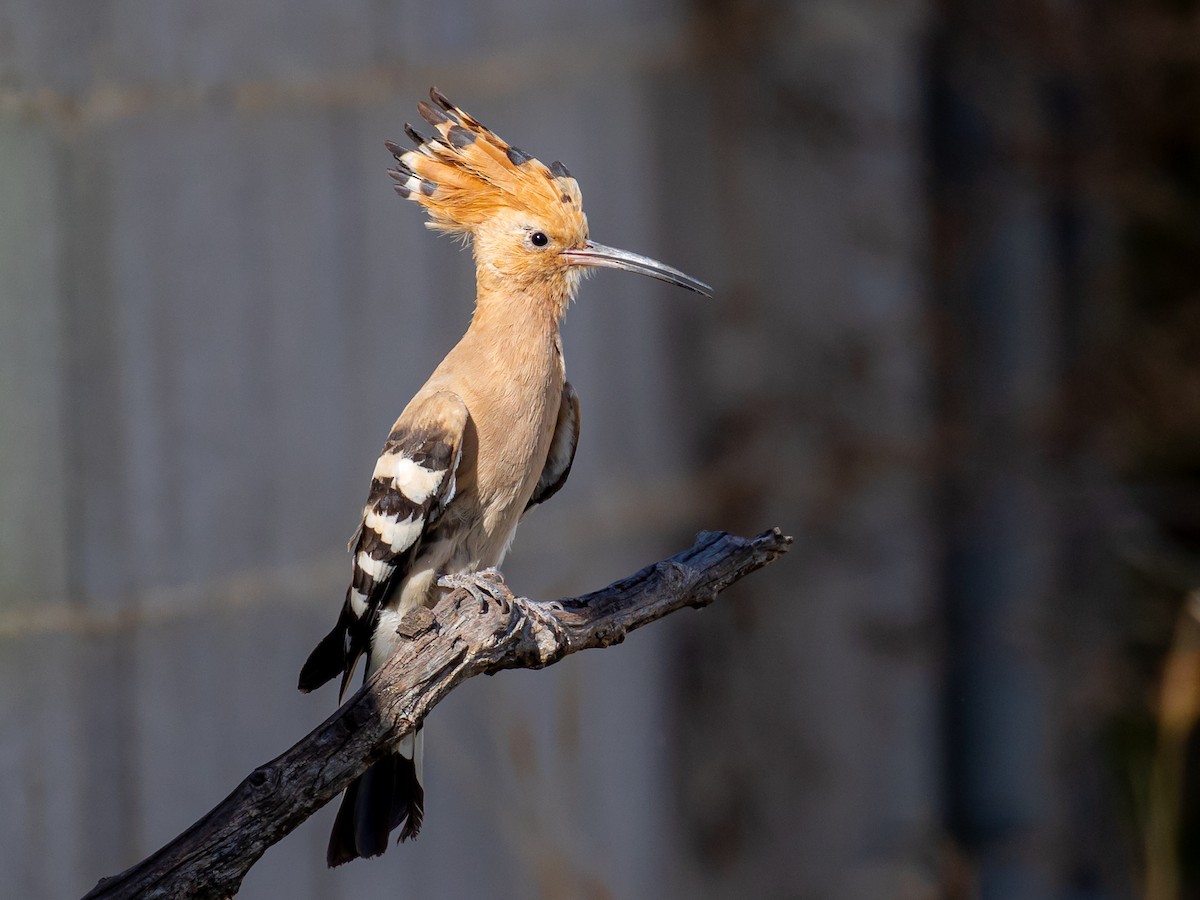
<point>514,438</point>
<point>512,419</point>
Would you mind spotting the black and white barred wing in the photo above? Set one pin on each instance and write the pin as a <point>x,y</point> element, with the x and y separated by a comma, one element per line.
<point>413,483</point>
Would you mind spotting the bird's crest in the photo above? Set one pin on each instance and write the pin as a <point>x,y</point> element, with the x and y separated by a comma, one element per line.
<point>467,173</point>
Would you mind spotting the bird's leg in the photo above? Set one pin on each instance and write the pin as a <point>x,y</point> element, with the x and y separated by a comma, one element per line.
<point>483,586</point>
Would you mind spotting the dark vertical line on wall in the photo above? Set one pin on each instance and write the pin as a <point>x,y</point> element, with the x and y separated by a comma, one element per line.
<point>1003,119</point>
<point>253,221</point>
<point>718,807</point>
<point>347,138</point>
<point>950,127</point>
<point>95,550</point>
<point>92,409</point>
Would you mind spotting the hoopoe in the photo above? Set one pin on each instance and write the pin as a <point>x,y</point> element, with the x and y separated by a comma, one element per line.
<point>490,435</point>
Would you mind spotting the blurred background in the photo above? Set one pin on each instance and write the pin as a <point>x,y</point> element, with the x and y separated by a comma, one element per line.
<point>955,350</point>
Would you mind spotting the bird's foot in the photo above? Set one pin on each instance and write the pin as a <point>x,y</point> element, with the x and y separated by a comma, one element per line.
<point>485,587</point>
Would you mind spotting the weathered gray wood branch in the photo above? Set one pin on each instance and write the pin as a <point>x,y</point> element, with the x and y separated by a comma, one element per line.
<point>466,634</point>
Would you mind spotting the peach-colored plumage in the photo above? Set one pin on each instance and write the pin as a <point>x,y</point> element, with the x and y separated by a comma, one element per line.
<point>490,435</point>
<point>467,173</point>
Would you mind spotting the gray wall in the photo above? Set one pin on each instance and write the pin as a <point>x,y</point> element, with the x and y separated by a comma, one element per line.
<point>212,306</point>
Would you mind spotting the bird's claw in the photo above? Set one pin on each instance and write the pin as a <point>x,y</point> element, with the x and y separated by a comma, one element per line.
<point>485,587</point>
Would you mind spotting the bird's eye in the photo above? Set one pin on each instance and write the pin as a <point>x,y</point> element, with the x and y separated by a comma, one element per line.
<point>539,239</point>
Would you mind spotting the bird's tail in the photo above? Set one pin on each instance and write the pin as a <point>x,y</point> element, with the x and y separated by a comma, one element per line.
<point>389,795</point>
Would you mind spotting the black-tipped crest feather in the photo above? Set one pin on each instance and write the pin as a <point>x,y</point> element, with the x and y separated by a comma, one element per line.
<point>466,173</point>
<point>433,116</point>
<point>440,99</point>
<point>413,135</point>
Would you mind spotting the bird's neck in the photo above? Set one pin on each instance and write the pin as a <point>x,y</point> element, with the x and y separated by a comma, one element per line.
<point>514,338</point>
<point>518,314</point>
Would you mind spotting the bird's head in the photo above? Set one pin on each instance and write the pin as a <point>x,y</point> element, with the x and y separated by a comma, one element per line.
<point>525,219</point>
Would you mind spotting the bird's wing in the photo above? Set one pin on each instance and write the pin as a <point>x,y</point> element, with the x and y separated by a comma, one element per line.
<point>413,483</point>
<point>562,449</point>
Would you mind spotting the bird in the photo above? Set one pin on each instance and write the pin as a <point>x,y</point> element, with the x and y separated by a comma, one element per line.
<point>491,434</point>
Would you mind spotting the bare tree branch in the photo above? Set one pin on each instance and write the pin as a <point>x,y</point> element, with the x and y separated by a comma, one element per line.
<point>476,628</point>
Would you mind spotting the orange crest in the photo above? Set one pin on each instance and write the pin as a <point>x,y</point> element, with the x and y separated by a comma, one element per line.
<point>467,174</point>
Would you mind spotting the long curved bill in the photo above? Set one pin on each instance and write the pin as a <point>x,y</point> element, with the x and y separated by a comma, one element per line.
<point>593,254</point>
